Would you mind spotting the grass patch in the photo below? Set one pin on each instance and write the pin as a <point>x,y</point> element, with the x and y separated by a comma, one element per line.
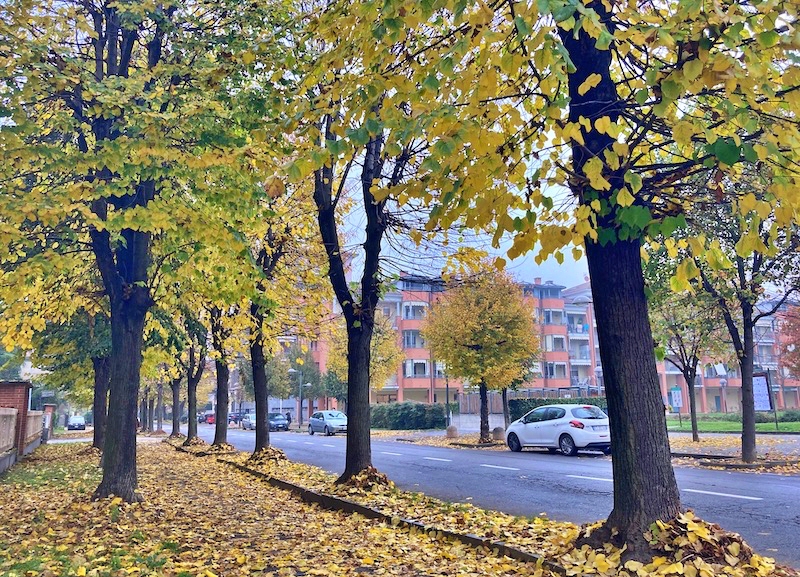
<point>714,426</point>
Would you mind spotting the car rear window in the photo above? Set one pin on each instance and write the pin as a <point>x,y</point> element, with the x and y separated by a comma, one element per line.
<point>588,412</point>
<point>336,415</point>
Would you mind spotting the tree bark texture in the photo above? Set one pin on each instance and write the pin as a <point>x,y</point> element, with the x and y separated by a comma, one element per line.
<point>748,399</point>
<point>175,385</point>
<point>223,398</point>
<point>359,448</point>
<point>506,410</point>
<point>484,395</point>
<point>260,385</point>
<point>644,483</point>
<point>102,376</point>
<point>689,375</point>
<point>194,372</point>
<point>119,451</point>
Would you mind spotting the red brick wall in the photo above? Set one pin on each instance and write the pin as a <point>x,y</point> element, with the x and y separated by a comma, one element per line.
<point>14,394</point>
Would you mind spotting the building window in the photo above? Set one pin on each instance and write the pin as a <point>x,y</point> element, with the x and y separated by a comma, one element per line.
<point>440,369</point>
<point>414,311</point>
<point>555,370</point>
<point>415,368</point>
<point>552,317</point>
<point>554,343</point>
<point>313,345</point>
<point>413,340</point>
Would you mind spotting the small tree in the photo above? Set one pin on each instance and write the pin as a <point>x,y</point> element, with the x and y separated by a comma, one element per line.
<point>686,327</point>
<point>484,332</point>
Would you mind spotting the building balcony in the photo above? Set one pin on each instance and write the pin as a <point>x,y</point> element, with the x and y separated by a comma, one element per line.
<point>583,360</point>
<point>578,330</point>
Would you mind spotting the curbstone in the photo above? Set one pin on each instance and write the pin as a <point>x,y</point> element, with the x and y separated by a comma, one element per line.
<point>339,504</point>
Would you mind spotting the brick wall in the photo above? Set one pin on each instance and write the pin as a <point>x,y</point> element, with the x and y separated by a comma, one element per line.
<point>14,394</point>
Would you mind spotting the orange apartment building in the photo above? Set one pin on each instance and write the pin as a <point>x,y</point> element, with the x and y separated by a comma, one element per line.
<point>570,357</point>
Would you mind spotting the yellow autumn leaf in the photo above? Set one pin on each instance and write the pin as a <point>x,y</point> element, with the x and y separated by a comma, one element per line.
<point>591,81</point>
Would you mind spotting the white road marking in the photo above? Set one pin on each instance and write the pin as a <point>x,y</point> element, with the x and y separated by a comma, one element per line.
<point>307,443</point>
<point>724,495</point>
<point>290,441</point>
<point>437,459</point>
<point>326,445</point>
<point>687,490</point>
<point>499,467</point>
<point>388,453</point>
<point>590,478</point>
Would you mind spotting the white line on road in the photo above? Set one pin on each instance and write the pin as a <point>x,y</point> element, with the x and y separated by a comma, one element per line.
<point>388,453</point>
<point>724,495</point>
<point>437,459</point>
<point>590,478</point>
<point>326,445</point>
<point>290,441</point>
<point>307,443</point>
<point>499,467</point>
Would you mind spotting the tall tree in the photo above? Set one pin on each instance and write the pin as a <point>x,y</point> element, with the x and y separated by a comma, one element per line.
<point>620,102</point>
<point>484,332</point>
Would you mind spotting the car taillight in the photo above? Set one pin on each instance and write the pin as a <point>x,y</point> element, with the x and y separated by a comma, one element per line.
<point>576,424</point>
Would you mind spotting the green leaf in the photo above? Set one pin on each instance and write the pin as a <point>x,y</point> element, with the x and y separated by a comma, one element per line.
<point>671,90</point>
<point>605,40</point>
<point>768,39</point>
<point>726,151</point>
<point>522,27</point>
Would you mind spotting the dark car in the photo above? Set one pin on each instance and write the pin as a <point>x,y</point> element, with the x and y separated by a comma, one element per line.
<point>234,418</point>
<point>76,423</point>
<point>277,422</point>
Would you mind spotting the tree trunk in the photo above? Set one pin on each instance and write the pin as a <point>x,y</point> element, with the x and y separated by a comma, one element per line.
<point>484,394</point>
<point>359,449</point>
<point>159,408</point>
<point>506,411</point>
<point>194,372</point>
<point>191,398</point>
<point>644,483</point>
<point>100,403</point>
<point>223,398</point>
<point>175,385</point>
<point>260,388</point>
<point>690,373</point>
<point>748,399</point>
<point>143,411</point>
<point>119,450</point>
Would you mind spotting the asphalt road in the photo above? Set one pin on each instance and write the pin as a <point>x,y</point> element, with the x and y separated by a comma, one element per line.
<point>762,507</point>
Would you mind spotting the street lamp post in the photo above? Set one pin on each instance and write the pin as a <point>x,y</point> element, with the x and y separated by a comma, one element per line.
<point>300,386</point>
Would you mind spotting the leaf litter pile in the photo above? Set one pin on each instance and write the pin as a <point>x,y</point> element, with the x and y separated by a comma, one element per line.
<point>201,517</point>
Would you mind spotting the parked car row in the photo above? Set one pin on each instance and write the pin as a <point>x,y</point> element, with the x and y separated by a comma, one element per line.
<point>277,422</point>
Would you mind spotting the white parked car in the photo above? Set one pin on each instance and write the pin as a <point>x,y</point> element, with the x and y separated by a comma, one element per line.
<point>568,428</point>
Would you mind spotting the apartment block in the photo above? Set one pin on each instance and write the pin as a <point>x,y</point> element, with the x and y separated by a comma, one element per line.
<point>569,364</point>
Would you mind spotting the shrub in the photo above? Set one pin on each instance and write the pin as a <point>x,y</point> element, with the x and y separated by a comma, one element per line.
<point>792,416</point>
<point>518,407</point>
<point>408,415</point>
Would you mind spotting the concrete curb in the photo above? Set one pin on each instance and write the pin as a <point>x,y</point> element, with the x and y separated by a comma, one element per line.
<point>710,460</point>
<point>338,504</point>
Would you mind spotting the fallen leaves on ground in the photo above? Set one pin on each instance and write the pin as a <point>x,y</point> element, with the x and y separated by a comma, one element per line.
<point>203,518</point>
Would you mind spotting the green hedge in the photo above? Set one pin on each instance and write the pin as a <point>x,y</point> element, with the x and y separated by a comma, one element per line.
<point>518,407</point>
<point>407,415</point>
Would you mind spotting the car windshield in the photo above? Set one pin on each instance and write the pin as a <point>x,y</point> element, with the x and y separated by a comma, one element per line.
<point>335,415</point>
<point>588,412</point>
<point>76,419</point>
<point>276,416</point>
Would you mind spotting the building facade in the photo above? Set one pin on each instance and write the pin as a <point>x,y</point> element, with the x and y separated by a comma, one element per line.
<point>569,364</point>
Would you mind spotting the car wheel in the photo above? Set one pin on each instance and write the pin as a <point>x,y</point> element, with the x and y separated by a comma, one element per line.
<point>607,451</point>
<point>551,450</point>
<point>567,446</point>
<point>513,443</point>
<point>310,430</point>
<point>327,431</point>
